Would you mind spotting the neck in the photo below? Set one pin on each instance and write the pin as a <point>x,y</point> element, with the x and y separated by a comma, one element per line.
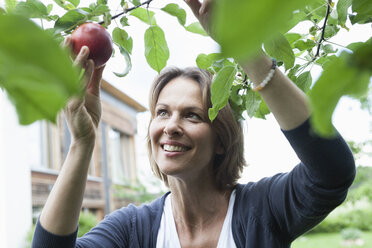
<point>197,203</point>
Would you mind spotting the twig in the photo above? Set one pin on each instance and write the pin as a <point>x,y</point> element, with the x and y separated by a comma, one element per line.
<point>127,10</point>
<point>334,43</point>
<point>323,30</point>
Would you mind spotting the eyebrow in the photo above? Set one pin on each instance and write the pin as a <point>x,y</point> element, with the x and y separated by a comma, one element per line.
<point>188,108</point>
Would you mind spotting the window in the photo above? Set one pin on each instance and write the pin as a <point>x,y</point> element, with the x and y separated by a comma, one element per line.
<point>120,156</point>
<point>40,152</point>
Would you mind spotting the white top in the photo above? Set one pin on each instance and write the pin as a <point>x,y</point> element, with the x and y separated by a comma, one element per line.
<point>168,236</point>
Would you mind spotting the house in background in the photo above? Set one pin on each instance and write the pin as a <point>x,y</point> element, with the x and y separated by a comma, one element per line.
<point>32,156</point>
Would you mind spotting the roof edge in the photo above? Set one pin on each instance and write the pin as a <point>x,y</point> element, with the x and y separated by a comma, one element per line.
<point>122,96</point>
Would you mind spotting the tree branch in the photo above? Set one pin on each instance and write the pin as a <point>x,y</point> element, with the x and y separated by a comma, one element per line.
<point>128,10</point>
<point>323,29</point>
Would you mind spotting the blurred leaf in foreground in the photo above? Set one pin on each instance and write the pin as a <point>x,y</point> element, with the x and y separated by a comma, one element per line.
<point>349,75</point>
<point>36,72</point>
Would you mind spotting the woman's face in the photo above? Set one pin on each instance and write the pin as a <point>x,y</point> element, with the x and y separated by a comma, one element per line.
<point>182,140</point>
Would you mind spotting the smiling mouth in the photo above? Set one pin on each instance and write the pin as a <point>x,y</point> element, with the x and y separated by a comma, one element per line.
<point>172,148</point>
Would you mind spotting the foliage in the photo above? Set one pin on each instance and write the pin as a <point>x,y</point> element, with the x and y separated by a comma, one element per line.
<point>363,175</point>
<point>86,222</point>
<point>346,72</point>
<point>30,234</point>
<point>37,85</point>
<point>351,233</point>
<point>353,216</point>
<point>362,185</point>
<point>135,193</point>
<point>329,240</point>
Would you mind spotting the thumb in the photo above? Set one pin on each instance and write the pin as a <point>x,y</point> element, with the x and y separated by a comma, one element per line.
<point>194,6</point>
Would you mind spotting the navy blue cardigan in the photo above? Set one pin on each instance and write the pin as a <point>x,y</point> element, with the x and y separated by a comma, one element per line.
<point>269,213</point>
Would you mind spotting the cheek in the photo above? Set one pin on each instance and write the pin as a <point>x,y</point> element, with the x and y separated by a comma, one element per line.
<point>207,138</point>
<point>155,132</point>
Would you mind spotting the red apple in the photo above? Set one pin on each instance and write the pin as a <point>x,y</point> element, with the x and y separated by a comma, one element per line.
<point>96,38</point>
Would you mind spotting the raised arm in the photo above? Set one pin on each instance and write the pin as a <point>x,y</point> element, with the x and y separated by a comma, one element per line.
<point>287,102</point>
<point>60,214</point>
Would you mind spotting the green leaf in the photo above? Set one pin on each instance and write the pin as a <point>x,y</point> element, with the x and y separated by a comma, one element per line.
<point>361,56</point>
<point>74,2</point>
<point>37,74</point>
<point>64,5</point>
<point>124,21</point>
<point>237,102</point>
<point>316,10</point>
<point>2,11</point>
<point>304,81</point>
<point>220,90</point>
<point>279,48</point>
<point>324,60</point>
<point>135,2</point>
<point>293,71</point>
<point>175,10</point>
<point>128,62</point>
<point>238,21</point>
<point>339,79</point>
<point>147,16</point>
<point>294,20</point>
<point>304,45</point>
<point>99,10</point>
<point>342,7</point>
<point>333,17</point>
<point>196,28</point>
<point>362,7</point>
<point>31,9</point>
<point>221,63</point>
<point>262,111</point>
<point>330,31</point>
<point>328,48</point>
<point>49,8</point>
<point>360,19</point>
<point>292,37</point>
<point>204,61</point>
<point>71,19</point>
<point>10,5</point>
<point>252,102</point>
<point>121,37</point>
<point>313,30</point>
<point>156,48</point>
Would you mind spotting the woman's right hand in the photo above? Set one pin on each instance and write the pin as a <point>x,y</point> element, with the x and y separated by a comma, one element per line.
<point>84,113</point>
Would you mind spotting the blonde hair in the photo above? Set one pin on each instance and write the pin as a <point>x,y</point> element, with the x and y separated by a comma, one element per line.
<point>228,166</point>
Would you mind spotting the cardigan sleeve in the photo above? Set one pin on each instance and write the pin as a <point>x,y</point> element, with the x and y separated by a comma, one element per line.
<point>302,198</point>
<point>112,231</point>
<point>129,226</point>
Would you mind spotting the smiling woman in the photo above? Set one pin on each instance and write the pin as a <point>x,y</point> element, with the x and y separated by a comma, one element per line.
<point>201,162</point>
<point>229,143</point>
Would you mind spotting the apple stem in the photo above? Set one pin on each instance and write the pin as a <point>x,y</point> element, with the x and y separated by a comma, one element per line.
<point>128,10</point>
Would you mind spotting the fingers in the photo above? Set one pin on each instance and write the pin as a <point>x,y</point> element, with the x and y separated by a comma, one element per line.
<point>82,57</point>
<point>88,74</point>
<point>195,6</point>
<point>67,45</point>
<point>205,7</point>
<point>95,81</point>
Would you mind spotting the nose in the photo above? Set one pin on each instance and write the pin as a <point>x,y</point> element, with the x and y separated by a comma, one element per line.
<point>173,127</point>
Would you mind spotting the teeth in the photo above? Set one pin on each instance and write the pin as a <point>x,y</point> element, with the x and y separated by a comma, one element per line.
<point>171,148</point>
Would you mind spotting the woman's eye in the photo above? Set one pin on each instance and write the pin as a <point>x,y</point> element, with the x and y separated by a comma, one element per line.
<point>161,112</point>
<point>194,116</point>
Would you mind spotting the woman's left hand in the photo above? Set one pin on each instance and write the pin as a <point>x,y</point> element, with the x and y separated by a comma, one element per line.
<point>202,12</point>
